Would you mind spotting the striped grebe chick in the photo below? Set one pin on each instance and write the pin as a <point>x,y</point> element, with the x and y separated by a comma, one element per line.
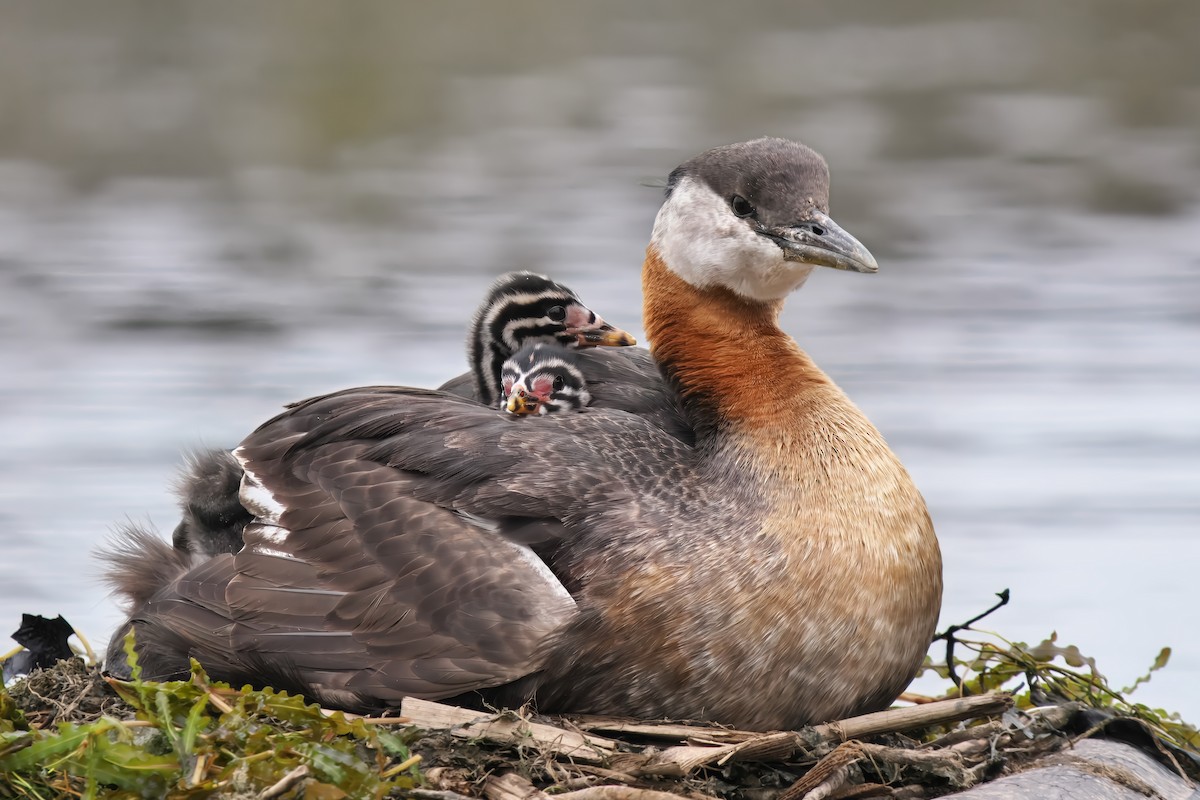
<point>543,378</point>
<point>519,308</point>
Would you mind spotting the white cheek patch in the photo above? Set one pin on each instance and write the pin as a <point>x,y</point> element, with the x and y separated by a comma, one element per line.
<point>702,242</point>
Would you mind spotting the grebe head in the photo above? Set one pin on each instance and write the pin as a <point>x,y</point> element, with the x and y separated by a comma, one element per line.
<point>753,218</point>
<point>543,379</point>
<point>521,308</point>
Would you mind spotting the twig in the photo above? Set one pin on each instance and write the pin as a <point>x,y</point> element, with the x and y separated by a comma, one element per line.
<point>829,770</point>
<point>213,697</point>
<point>511,786</point>
<point>915,698</point>
<point>436,794</point>
<point>87,646</point>
<point>616,793</point>
<point>948,635</point>
<point>934,712</point>
<point>407,763</point>
<point>601,772</point>
<point>283,784</point>
<point>679,761</point>
<point>684,759</point>
<point>675,762</point>
<point>830,785</point>
<point>895,720</point>
<point>467,724</point>
<point>946,763</point>
<point>66,712</point>
<point>198,770</point>
<point>663,730</point>
<point>863,790</point>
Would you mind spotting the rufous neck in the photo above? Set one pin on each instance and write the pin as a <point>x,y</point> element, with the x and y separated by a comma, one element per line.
<point>725,353</point>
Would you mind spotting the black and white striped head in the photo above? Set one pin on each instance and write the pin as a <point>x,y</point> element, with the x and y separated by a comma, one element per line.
<point>753,218</point>
<point>521,308</point>
<point>543,378</point>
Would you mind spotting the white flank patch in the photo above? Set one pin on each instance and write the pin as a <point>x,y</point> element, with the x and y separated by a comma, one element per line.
<point>267,539</point>
<point>489,525</point>
<point>269,532</point>
<point>524,553</point>
<point>267,551</point>
<point>255,497</point>
<point>702,242</point>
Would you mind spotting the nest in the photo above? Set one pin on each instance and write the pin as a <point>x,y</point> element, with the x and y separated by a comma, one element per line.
<point>197,738</point>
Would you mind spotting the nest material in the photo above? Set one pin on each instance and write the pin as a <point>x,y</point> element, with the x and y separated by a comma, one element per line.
<point>69,691</point>
<point>926,750</point>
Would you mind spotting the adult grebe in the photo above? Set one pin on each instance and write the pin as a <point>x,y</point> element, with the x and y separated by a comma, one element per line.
<point>780,570</point>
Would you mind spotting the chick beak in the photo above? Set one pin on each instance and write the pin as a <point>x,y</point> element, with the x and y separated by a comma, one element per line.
<point>521,403</point>
<point>823,243</point>
<point>590,330</point>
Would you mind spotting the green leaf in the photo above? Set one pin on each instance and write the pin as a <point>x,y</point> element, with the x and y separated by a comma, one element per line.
<point>166,723</point>
<point>1164,656</point>
<point>196,721</point>
<point>52,747</point>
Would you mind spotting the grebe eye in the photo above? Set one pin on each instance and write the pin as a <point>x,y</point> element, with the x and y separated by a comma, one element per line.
<point>741,206</point>
<point>556,313</point>
<point>559,383</point>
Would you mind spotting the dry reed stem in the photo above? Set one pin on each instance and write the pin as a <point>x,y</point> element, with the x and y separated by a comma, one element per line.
<point>466,724</point>
<point>285,783</point>
<point>511,786</point>
<point>895,720</point>
<point>824,772</point>
<point>664,730</point>
<point>685,759</point>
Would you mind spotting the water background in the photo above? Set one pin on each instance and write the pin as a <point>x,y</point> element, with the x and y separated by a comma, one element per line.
<point>208,210</point>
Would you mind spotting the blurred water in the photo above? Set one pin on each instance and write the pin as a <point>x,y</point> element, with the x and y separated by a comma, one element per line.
<point>207,211</point>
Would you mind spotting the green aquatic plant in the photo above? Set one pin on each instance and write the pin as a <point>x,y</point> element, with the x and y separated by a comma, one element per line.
<point>1049,673</point>
<point>195,737</point>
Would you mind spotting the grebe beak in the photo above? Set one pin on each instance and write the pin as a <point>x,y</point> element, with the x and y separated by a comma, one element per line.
<point>823,243</point>
<point>590,329</point>
<point>521,403</point>
<point>606,336</point>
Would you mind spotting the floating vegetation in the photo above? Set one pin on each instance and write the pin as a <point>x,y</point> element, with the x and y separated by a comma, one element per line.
<point>68,731</point>
<point>192,738</point>
<point>1048,673</point>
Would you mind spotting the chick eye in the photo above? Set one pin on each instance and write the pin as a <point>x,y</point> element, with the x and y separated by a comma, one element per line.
<point>556,313</point>
<point>741,206</point>
<point>559,383</point>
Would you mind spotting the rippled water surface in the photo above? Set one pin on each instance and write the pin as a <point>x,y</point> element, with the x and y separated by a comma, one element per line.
<point>208,211</point>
